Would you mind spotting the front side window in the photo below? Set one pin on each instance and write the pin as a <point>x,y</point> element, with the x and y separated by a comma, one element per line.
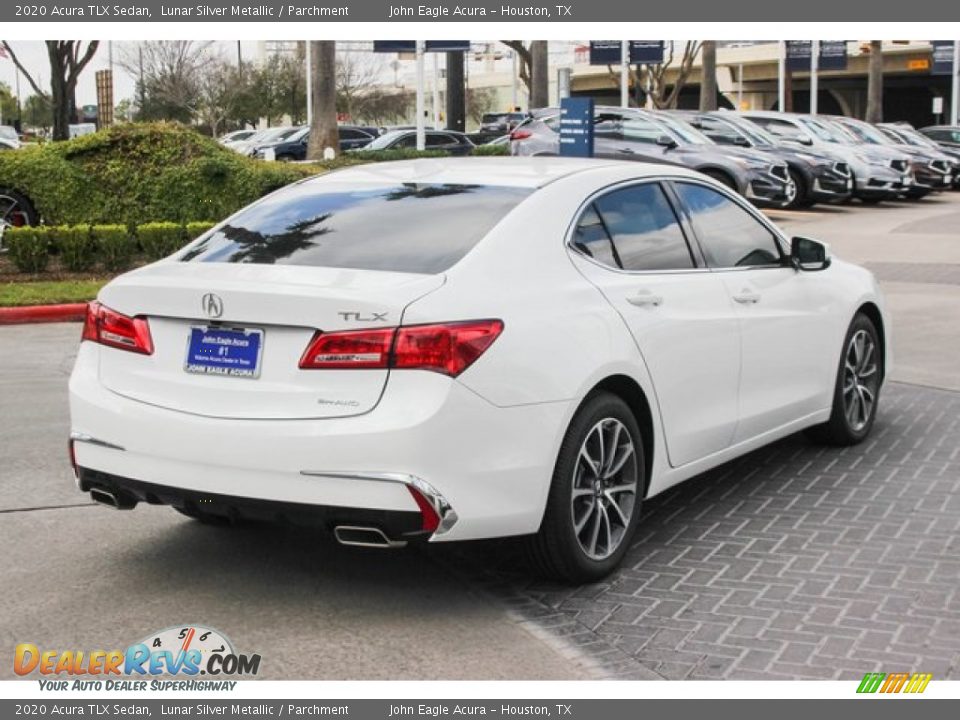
<point>635,229</point>
<point>729,235</point>
<point>408,227</point>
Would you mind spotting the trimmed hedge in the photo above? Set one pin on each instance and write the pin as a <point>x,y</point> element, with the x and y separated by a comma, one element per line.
<point>139,173</point>
<point>28,248</point>
<point>115,245</point>
<point>83,247</point>
<point>491,150</point>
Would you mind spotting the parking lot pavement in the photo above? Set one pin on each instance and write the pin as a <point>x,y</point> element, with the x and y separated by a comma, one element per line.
<point>794,562</point>
<point>81,576</point>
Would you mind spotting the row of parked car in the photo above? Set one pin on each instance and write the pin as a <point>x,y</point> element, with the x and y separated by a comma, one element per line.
<point>290,143</point>
<point>773,159</point>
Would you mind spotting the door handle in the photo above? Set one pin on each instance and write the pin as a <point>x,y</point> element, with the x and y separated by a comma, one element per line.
<point>645,299</point>
<point>747,297</point>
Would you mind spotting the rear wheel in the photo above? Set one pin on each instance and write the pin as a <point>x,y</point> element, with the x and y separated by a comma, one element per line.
<point>594,500</point>
<point>857,389</point>
<point>798,197</point>
<point>16,210</point>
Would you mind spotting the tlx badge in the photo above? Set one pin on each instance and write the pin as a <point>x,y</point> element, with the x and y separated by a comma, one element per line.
<point>360,317</point>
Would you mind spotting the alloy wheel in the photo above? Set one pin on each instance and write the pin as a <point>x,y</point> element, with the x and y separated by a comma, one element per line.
<point>604,488</point>
<point>861,379</point>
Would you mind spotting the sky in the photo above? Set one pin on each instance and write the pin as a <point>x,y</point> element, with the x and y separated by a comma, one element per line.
<point>33,56</point>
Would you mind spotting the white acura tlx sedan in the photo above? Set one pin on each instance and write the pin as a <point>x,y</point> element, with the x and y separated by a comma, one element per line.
<point>470,348</point>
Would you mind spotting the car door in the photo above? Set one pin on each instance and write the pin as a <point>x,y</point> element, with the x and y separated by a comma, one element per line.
<point>789,319</point>
<point>629,138</point>
<point>629,243</point>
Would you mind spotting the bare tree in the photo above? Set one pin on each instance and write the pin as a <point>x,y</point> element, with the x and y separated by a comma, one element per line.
<point>708,76</point>
<point>68,58</point>
<point>219,92</point>
<point>169,73</point>
<point>533,69</point>
<point>356,75</point>
<point>323,129</point>
<point>654,77</point>
<point>480,101</point>
<point>875,83</point>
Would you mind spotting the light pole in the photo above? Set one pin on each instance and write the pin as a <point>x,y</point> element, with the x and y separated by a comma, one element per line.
<point>421,135</point>
<point>814,79</point>
<point>781,79</point>
<point>954,95</point>
<point>625,73</point>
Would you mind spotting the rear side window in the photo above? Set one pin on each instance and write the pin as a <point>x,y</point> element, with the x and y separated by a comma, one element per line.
<point>414,228</point>
<point>633,228</point>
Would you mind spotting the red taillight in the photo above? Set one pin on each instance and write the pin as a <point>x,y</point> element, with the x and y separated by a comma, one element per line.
<point>520,135</point>
<point>355,349</point>
<point>429,517</point>
<point>448,348</point>
<point>107,327</point>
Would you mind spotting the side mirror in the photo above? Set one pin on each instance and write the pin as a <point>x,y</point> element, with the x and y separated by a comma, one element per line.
<point>809,255</point>
<point>666,141</point>
<point>741,141</point>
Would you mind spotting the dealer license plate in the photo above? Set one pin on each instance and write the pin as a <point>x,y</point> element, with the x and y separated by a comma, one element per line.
<point>234,352</point>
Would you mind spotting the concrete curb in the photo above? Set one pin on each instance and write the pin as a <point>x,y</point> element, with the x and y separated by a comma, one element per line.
<point>73,312</point>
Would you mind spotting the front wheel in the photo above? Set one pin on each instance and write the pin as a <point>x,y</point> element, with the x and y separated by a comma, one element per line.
<point>857,388</point>
<point>595,495</point>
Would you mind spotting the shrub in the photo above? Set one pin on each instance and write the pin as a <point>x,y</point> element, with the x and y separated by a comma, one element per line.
<point>491,150</point>
<point>137,173</point>
<point>115,246</point>
<point>78,251</point>
<point>196,229</point>
<point>28,248</point>
<point>159,239</point>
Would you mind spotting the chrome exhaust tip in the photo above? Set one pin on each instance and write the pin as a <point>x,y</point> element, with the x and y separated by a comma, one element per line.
<point>358,536</point>
<point>118,501</point>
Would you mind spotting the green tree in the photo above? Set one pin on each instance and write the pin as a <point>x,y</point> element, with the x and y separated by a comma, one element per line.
<point>37,112</point>
<point>8,105</point>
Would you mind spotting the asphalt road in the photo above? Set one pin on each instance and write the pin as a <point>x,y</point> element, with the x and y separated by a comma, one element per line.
<point>77,575</point>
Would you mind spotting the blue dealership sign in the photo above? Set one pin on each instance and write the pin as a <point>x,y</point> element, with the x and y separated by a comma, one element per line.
<point>642,52</point>
<point>410,46</point>
<point>799,55</point>
<point>576,127</point>
<point>833,55</point>
<point>942,57</point>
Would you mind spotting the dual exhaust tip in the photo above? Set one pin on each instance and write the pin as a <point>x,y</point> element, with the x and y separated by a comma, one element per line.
<point>116,500</point>
<point>354,535</point>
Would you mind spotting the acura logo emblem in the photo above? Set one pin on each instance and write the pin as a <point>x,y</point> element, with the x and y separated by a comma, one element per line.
<point>212,305</point>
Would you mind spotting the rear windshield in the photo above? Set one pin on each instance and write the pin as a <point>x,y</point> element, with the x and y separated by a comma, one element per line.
<point>414,228</point>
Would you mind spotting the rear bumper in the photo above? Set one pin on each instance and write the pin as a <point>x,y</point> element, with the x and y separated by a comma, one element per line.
<point>397,525</point>
<point>491,465</point>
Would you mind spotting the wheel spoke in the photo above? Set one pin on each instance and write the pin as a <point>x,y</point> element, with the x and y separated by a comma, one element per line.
<point>606,523</point>
<point>616,506</point>
<point>618,464</point>
<point>590,462</point>
<point>595,532</point>
<point>582,522</point>
<point>610,451</point>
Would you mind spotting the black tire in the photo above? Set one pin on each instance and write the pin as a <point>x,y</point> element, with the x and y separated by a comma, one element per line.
<point>205,518</point>
<point>841,429</point>
<point>556,551</point>
<point>16,208</point>
<point>802,198</point>
<point>285,158</point>
<point>721,177</point>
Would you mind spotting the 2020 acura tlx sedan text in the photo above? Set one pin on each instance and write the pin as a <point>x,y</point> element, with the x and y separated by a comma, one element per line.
<point>470,348</point>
